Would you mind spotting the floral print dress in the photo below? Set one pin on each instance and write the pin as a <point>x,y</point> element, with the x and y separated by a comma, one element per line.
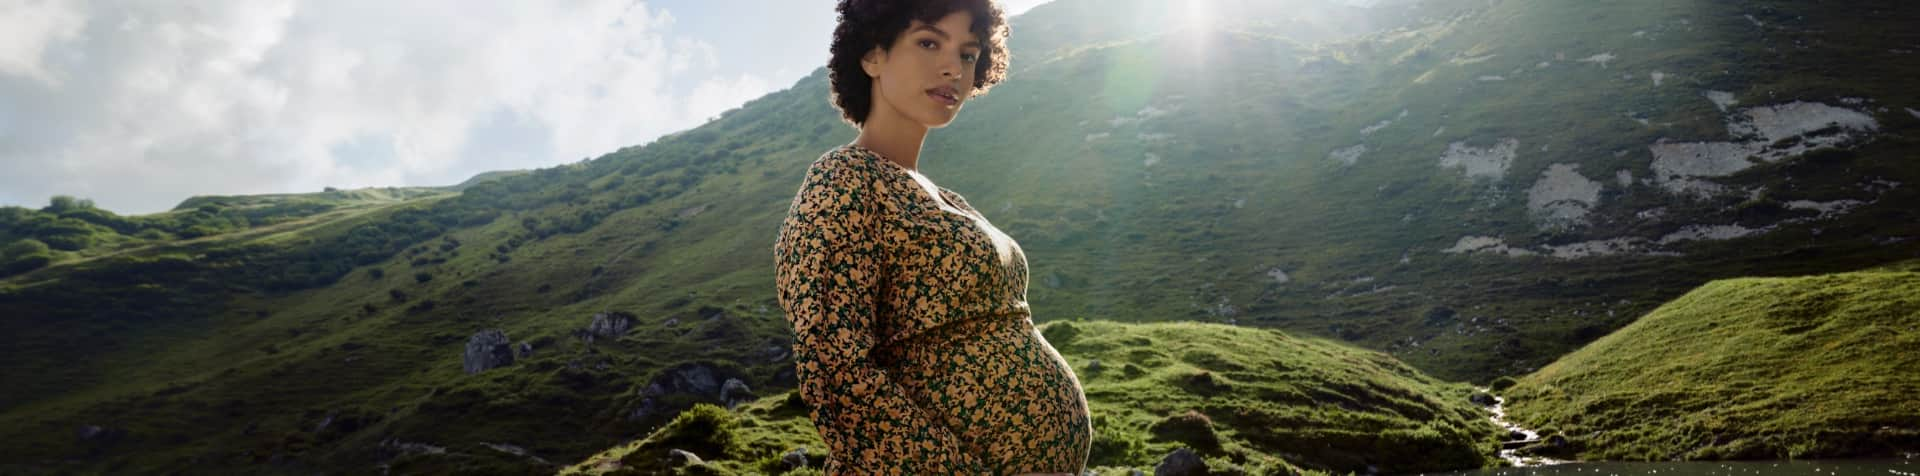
<point>913,343</point>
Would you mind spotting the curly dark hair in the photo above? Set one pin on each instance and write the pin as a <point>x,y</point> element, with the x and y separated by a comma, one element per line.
<point>865,24</point>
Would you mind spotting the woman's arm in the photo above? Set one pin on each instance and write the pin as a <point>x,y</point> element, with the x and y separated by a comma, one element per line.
<point>828,262</point>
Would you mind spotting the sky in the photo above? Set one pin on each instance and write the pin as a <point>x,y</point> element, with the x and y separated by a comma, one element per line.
<point>138,105</point>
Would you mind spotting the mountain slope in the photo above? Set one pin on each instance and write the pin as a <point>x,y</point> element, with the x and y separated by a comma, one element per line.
<point>71,230</point>
<point>1237,396</point>
<point>1476,190</point>
<point>1803,367</point>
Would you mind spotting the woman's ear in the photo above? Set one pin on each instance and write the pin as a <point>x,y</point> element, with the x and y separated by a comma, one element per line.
<point>872,61</point>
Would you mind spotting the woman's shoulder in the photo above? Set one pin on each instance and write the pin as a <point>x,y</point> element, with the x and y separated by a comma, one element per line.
<point>847,156</point>
<point>844,170</point>
<point>851,165</point>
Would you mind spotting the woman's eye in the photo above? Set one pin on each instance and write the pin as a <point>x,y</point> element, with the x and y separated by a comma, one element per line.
<point>970,57</point>
<point>928,44</point>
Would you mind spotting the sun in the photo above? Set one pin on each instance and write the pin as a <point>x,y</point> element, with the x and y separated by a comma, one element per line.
<point>1196,14</point>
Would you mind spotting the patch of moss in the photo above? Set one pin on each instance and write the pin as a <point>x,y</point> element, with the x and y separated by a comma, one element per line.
<point>1502,383</point>
<point>1804,367</point>
<point>1116,445</point>
<point>705,430</point>
<point>1192,428</point>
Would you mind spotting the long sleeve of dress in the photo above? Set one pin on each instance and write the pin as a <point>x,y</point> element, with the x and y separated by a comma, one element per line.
<point>829,262</point>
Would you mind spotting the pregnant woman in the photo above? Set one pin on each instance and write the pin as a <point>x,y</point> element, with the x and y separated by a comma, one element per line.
<point>913,343</point>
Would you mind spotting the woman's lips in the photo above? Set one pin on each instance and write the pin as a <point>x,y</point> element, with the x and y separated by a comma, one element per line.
<point>942,98</point>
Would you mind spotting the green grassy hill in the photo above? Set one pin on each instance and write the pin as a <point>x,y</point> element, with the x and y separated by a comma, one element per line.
<point>1258,400</point>
<point>71,231</point>
<point>1805,367</point>
<point>1474,188</point>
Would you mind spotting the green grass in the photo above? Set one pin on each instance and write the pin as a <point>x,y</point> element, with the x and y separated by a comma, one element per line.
<point>226,351</point>
<point>1259,400</point>
<point>1804,367</point>
<point>79,232</point>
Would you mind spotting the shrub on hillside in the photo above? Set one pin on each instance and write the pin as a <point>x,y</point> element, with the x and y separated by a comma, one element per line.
<point>1432,443</point>
<point>1203,383</point>
<point>63,203</point>
<point>1193,428</point>
<point>419,307</point>
<point>24,247</point>
<point>105,219</point>
<point>1116,445</point>
<point>197,231</point>
<point>69,242</point>
<point>706,430</point>
<point>1060,333</point>
<point>65,233</point>
<point>24,264</point>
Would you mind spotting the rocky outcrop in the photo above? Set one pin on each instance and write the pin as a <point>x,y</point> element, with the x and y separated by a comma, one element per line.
<point>1440,316</point>
<point>698,379</point>
<point>679,457</point>
<point>1482,399</point>
<point>1181,462</point>
<point>1481,163</point>
<point>776,350</point>
<point>795,459</point>
<point>703,381</point>
<point>97,439</point>
<point>517,450</point>
<point>486,350</point>
<point>396,448</point>
<point>735,392</point>
<point>784,377</point>
<point>610,325</point>
<point>1561,198</point>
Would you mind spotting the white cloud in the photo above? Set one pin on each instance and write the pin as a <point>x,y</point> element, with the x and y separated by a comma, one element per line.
<point>146,103</point>
<point>717,96</point>
<point>1016,7</point>
<point>27,27</point>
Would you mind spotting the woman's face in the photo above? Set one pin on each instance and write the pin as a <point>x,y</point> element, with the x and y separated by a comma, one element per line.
<point>927,73</point>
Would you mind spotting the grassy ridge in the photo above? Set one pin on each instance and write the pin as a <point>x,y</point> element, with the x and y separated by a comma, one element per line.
<point>1261,401</point>
<point>72,231</point>
<point>1805,367</point>
<point>239,351</point>
<point>1151,178</point>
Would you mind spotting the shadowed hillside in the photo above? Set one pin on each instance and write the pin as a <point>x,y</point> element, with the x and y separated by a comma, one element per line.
<point>1473,188</point>
<point>1246,400</point>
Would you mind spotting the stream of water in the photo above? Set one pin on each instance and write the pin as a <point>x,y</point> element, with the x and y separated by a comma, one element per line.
<point>1509,450</point>
<point>1876,467</point>
<point>1537,466</point>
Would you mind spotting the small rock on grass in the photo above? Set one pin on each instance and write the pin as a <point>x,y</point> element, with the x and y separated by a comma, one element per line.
<point>679,457</point>
<point>1181,462</point>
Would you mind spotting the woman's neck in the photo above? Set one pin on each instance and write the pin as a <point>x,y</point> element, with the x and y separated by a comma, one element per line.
<point>895,138</point>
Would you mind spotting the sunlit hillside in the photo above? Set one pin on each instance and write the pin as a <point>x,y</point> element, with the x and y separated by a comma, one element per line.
<point>1751,368</point>
<point>1469,188</point>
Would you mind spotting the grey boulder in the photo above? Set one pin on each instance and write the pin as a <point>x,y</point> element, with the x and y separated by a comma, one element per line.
<point>487,349</point>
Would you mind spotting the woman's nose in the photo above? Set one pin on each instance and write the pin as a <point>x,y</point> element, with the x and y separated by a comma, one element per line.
<point>950,68</point>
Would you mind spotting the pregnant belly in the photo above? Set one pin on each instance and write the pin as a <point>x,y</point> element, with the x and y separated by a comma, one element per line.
<point>1003,390</point>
